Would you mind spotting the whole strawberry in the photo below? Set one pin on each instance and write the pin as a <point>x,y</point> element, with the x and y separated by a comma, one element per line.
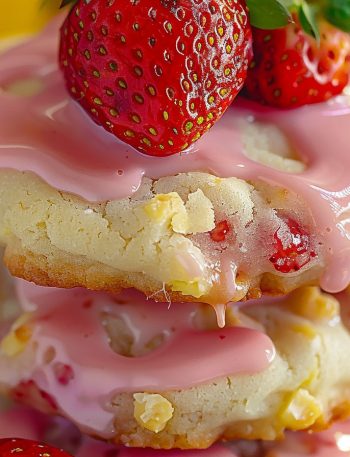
<point>27,448</point>
<point>156,73</point>
<point>298,65</point>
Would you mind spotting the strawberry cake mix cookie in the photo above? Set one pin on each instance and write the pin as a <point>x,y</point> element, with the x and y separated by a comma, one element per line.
<point>59,435</point>
<point>61,439</point>
<point>171,378</point>
<point>105,182</point>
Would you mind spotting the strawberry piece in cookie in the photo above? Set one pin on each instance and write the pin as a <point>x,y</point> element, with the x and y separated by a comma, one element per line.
<point>220,231</point>
<point>292,248</point>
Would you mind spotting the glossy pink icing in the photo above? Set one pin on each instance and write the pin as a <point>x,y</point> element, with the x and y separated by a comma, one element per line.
<point>50,135</point>
<point>23,423</point>
<point>70,321</point>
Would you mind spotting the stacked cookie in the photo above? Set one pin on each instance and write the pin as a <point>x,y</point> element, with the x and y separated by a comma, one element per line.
<point>35,426</point>
<point>168,291</point>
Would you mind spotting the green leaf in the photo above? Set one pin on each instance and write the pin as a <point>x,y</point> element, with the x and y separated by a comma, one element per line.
<point>308,20</point>
<point>338,13</point>
<point>268,14</point>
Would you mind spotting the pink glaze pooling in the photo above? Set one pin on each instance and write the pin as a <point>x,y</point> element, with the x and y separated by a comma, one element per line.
<point>49,134</point>
<point>71,322</point>
<point>23,423</point>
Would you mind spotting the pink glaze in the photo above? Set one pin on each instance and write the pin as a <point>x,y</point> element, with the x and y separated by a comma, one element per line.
<point>22,423</point>
<point>49,134</point>
<point>70,321</point>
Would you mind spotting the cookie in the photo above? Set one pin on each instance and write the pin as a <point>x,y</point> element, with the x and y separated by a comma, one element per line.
<point>171,378</point>
<point>165,240</point>
<point>248,211</point>
<point>59,433</point>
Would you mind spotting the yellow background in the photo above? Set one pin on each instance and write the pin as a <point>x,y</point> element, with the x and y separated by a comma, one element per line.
<point>22,17</point>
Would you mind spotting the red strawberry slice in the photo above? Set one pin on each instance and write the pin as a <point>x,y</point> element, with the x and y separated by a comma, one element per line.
<point>291,69</point>
<point>292,248</point>
<point>27,448</point>
<point>159,74</point>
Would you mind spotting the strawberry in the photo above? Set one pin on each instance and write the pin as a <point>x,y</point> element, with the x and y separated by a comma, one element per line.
<point>156,73</point>
<point>291,247</point>
<point>27,448</point>
<point>220,231</point>
<point>291,68</point>
<point>64,373</point>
